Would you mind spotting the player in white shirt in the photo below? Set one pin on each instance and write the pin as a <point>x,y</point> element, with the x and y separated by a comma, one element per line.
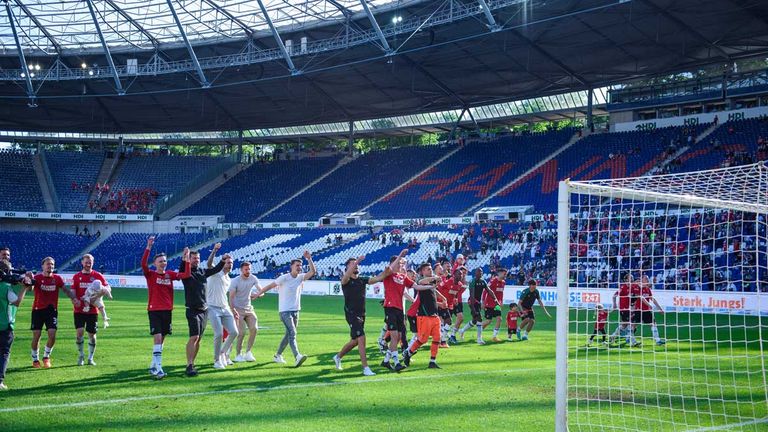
<point>289,287</point>
<point>219,313</point>
<point>240,301</point>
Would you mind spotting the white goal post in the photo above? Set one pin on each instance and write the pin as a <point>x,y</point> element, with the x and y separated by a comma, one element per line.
<point>660,312</point>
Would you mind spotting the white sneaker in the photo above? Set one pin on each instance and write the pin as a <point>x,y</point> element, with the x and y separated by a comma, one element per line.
<point>80,361</point>
<point>300,360</point>
<point>239,358</point>
<point>228,360</point>
<point>160,374</point>
<point>249,357</point>
<point>219,365</point>
<point>337,360</point>
<point>480,342</point>
<point>91,362</point>
<point>3,386</point>
<point>368,372</point>
<point>278,359</point>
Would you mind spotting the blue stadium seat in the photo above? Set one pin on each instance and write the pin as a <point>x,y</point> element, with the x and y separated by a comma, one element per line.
<point>19,189</point>
<point>80,168</point>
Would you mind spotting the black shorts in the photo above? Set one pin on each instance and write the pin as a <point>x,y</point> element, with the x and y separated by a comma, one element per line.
<point>412,324</point>
<point>445,315</point>
<point>458,308</point>
<point>89,321</point>
<point>394,319</point>
<point>645,317</point>
<point>196,320</point>
<point>48,317</point>
<point>356,323</point>
<point>491,313</point>
<point>528,314</point>
<point>625,316</point>
<point>160,322</point>
<point>475,309</point>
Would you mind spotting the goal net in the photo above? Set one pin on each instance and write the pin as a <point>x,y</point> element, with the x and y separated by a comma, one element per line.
<point>661,302</point>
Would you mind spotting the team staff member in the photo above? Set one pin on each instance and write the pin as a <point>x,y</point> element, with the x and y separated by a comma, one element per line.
<point>196,307</point>
<point>86,321</point>
<point>160,301</point>
<point>45,310</point>
<point>353,286</point>
<point>10,298</point>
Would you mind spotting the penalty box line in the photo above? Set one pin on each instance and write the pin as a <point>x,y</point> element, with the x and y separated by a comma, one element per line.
<point>260,389</point>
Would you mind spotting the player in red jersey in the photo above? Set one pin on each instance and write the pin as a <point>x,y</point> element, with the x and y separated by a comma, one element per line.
<point>449,289</point>
<point>458,306</point>
<point>628,294</point>
<point>45,309</point>
<point>394,290</point>
<point>643,313</point>
<point>160,301</point>
<point>86,321</point>
<point>512,316</point>
<point>601,318</point>
<point>493,299</point>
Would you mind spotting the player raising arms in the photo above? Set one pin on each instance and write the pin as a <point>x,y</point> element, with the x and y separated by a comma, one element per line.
<point>394,290</point>
<point>428,321</point>
<point>289,287</point>
<point>448,288</point>
<point>354,286</point>
<point>458,306</point>
<point>527,299</point>
<point>45,309</point>
<point>160,301</point>
<point>219,314</point>
<point>86,321</point>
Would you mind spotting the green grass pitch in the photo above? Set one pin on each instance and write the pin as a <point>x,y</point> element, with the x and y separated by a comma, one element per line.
<point>485,386</point>
<point>499,386</point>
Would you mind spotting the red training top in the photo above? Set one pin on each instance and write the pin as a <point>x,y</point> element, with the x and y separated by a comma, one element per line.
<point>160,285</point>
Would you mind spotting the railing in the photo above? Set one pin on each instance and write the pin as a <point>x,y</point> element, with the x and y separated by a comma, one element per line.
<point>220,167</point>
<point>689,88</point>
<point>51,185</point>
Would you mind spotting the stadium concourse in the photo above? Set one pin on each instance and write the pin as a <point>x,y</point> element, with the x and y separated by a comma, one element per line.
<point>381,215</point>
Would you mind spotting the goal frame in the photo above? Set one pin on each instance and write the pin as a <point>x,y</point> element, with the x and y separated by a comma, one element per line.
<point>605,189</point>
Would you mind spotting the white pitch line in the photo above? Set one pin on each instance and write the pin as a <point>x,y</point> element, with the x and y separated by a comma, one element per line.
<point>258,389</point>
<point>730,426</point>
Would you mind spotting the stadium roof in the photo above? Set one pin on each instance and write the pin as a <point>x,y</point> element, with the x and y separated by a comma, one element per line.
<point>421,56</point>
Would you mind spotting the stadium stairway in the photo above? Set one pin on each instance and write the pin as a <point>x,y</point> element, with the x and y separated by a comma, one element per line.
<point>341,163</point>
<point>699,138</point>
<point>72,261</point>
<point>202,191</point>
<point>574,139</point>
<point>45,186</point>
<point>417,175</point>
<point>108,168</point>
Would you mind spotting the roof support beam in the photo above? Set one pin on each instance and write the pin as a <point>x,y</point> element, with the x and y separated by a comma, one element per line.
<point>680,23</point>
<point>492,24</point>
<point>133,22</point>
<point>533,45</point>
<point>246,28</point>
<point>42,28</point>
<point>30,89</point>
<point>192,55</point>
<point>375,26</point>
<point>278,39</point>
<point>104,46</point>
<point>344,11</point>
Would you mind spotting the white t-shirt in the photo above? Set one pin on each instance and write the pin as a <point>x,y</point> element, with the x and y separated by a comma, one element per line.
<point>289,292</point>
<point>216,289</point>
